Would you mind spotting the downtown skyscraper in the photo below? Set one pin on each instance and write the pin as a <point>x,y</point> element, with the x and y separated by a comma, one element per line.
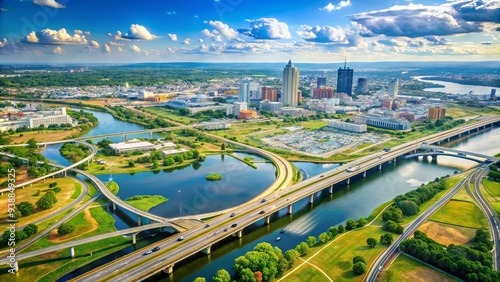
<point>290,90</point>
<point>344,80</point>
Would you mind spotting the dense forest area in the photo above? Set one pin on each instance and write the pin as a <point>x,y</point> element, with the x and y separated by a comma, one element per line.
<point>102,76</point>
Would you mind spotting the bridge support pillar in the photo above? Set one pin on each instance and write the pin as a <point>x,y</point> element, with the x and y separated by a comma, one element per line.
<point>139,222</point>
<point>114,206</point>
<point>348,180</point>
<point>16,266</point>
<point>311,199</point>
<point>151,135</point>
<point>169,270</point>
<point>460,135</point>
<point>394,160</point>
<point>65,173</point>
<point>123,138</point>
<point>330,190</point>
<point>134,238</point>
<point>468,132</point>
<point>448,139</point>
<point>72,251</point>
<point>439,142</point>
<point>364,173</point>
<point>380,167</point>
<point>268,219</point>
<point>207,250</point>
<point>290,209</point>
<point>239,234</point>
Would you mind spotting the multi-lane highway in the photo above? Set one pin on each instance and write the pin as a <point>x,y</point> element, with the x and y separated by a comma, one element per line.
<point>136,266</point>
<point>393,249</point>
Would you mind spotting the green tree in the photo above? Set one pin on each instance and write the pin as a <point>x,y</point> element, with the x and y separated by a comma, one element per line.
<point>323,237</point>
<point>200,279</point>
<point>221,276</point>
<point>372,242</point>
<point>131,163</point>
<point>408,207</point>
<point>32,143</point>
<point>223,146</point>
<point>53,185</point>
<point>291,256</point>
<point>196,154</point>
<point>247,275</point>
<point>359,268</point>
<point>168,161</point>
<point>311,241</point>
<point>350,224</point>
<point>155,165</point>
<point>302,248</point>
<point>26,208</point>
<point>30,229</point>
<point>386,239</point>
<point>332,232</point>
<point>357,259</point>
<point>362,222</point>
<point>66,228</point>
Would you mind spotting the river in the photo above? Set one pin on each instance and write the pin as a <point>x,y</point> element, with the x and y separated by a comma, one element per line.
<point>457,88</point>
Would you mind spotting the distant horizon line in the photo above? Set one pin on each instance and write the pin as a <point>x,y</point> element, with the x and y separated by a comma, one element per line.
<point>232,62</point>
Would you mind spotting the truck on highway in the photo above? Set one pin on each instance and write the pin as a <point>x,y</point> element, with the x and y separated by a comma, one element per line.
<point>353,168</point>
<point>387,149</point>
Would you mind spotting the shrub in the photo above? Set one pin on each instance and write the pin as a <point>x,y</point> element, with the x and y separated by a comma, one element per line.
<point>359,268</point>
<point>65,228</point>
<point>57,189</point>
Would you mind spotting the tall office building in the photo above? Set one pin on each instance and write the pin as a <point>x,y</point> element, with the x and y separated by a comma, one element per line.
<point>320,81</point>
<point>392,90</point>
<point>249,90</point>
<point>362,87</point>
<point>436,113</point>
<point>290,90</point>
<point>344,80</point>
<point>493,93</point>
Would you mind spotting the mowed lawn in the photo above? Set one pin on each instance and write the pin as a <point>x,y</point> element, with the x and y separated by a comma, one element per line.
<point>492,186</point>
<point>405,268</point>
<point>336,259</point>
<point>461,213</point>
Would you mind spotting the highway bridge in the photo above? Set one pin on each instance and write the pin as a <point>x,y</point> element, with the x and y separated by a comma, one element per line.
<point>201,238</point>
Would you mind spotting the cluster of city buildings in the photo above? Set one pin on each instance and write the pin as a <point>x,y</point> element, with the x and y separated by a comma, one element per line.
<point>133,145</point>
<point>32,117</point>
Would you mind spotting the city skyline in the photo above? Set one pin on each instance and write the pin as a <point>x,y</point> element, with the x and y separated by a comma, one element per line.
<point>65,31</point>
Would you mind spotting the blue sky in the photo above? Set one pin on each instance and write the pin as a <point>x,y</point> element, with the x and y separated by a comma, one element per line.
<point>100,31</point>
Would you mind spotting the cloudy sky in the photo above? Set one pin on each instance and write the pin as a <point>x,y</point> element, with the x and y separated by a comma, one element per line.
<point>126,31</point>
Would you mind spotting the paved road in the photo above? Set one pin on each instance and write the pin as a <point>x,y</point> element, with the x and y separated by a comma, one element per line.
<point>393,249</point>
<point>248,214</point>
<point>491,215</point>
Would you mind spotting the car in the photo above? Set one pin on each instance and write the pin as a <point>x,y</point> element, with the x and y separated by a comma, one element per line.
<point>147,253</point>
<point>156,249</point>
<point>322,175</point>
<point>180,238</point>
<point>263,201</point>
<point>261,212</point>
<point>208,225</point>
<point>234,225</point>
<point>233,214</point>
<point>225,229</point>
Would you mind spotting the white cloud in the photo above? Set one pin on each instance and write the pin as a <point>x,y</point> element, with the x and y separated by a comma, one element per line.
<point>3,43</point>
<point>94,44</point>
<point>325,34</point>
<point>214,34</point>
<point>266,28</point>
<point>50,37</point>
<point>187,41</point>
<point>135,32</point>
<point>77,31</point>
<point>57,50</point>
<point>120,49</point>
<point>135,48</point>
<point>200,40</point>
<point>330,7</point>
<point>49,3</point>
<point>172,36</point>
<point>170,12</point>
<point>106,48</point>
<point>224,29</point>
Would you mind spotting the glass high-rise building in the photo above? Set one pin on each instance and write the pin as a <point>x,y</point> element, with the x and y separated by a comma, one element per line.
<point>290,89</point>
<point>344,80</point>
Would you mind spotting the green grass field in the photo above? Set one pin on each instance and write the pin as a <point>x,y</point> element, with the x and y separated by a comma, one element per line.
<point>461,213</point>
<point>492,186</point>
<point>306,273</point>
<point>169,114</point>
<point>405,268</point>
<point>147,202</point>
<point>113,187</point>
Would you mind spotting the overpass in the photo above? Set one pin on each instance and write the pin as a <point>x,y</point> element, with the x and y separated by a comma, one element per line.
<point>435,154</point>
<point>202,239</point>
<point>459,152</point>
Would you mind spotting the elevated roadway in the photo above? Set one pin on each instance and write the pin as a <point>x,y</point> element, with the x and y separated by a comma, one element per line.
<point>433,154</point>
<point>200,238</point>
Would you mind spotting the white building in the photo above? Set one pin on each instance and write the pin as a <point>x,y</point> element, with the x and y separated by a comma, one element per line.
<point>48,118</point>
<point>272,107</point>
<point>392,90</point>
<point>249,90</point>
<point>144,94</point>
<point>131,146</point>
<point>238,107</point>
<point>296,112</point>
<point>229,110</point>
<point>352,127</point>
<point>290,89</point>
<point>216,125</point>
<point>173,151</point>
